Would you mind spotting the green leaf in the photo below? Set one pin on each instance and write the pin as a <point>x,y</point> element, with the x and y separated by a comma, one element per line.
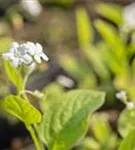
<point>129,142</point>
<point>66,120</point>
<point>84,28</point>
<point>111,12</point>
<point>89,144</point>
<point>100,127</point>
<point>21,109</point>
<point>77,68</point>
<point>112,39</point>
<point>14,75</point>
<point>95,58</point>
<point>102,132</point>
<point>108,33</point>
<point>126,121</point>
<point>52,91</point>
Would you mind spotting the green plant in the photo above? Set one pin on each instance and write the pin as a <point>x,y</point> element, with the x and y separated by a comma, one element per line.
<point>63,117</point>
<point>106,57</point>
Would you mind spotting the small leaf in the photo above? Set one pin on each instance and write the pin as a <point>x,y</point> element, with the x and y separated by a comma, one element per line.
<point>21,109</point>
<point>100,127</point>
<point>112,39</point>
<point>111,12</point>
<point>84,28</point>
<point>65,121</point>
<point>89,144</point>
<point>95,58</point>
<point>129,141</point>
<point>108,33</point>
<point>14,75</point>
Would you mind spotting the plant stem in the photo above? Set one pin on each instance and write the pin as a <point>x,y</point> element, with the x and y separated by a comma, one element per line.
<point>34,138</point>
<point>26,78</point>
<point>41,144</point>
<point>25,81</point>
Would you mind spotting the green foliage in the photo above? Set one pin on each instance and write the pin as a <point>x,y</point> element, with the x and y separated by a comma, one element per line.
<point>89,144</point>
<point>129,142</point>
<point>84,28</point>
<point>102,131</point>
<point>111,12</point>
<point>79,69</point>
<point>109,34</point>
<point>126,121</point>
<point>105,55</point>
<point>14,75</point>
<point>64,3</point>
<point>65,120</point>
<point>53,92</point>
<point>21,109</point>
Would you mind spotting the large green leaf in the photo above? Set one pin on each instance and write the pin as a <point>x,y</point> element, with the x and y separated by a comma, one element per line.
<point>14,75</point>
<point>65,121</point>
<point>21,109</point>
<point>129,142</point>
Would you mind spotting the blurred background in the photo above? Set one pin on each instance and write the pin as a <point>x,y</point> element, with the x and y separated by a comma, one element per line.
<point>91,45</point>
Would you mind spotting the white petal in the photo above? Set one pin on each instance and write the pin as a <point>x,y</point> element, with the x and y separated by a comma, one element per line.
<point>22,49</point>
<point>6,56</point>
<point>27,59</point>
<point>15,62</point>
<point>44,57</point>
<point>14,45</point>
<point>31,48</point>
<point>39,48</point>
<point>37,59</point>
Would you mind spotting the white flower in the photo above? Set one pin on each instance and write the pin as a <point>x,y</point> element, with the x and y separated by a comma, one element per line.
<point>26,53</point>
<point>32,7</point>
<point>121,95</point>
<point>65,81</point>
<point>129,16</point>
<point>130,105</point>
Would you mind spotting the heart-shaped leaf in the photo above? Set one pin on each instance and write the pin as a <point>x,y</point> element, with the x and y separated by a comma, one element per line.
<point>21,109</point>
<point>65,121</point>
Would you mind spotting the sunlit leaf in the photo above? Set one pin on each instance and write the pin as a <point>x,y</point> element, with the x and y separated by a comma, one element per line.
<point>65,121</point>
<point>111,12</point>
<point>14,75</point>
<point>84,28</point>
<point>21,109</point>
<point>108,33</point>
<point>126,121</point>
<point>128,142</point>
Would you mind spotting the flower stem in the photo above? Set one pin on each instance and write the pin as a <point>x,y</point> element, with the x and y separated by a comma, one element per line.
<point>34,138</point>
<point>25,81</point>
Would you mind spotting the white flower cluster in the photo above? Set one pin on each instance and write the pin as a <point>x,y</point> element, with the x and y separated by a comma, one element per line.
<point>25,53</point>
